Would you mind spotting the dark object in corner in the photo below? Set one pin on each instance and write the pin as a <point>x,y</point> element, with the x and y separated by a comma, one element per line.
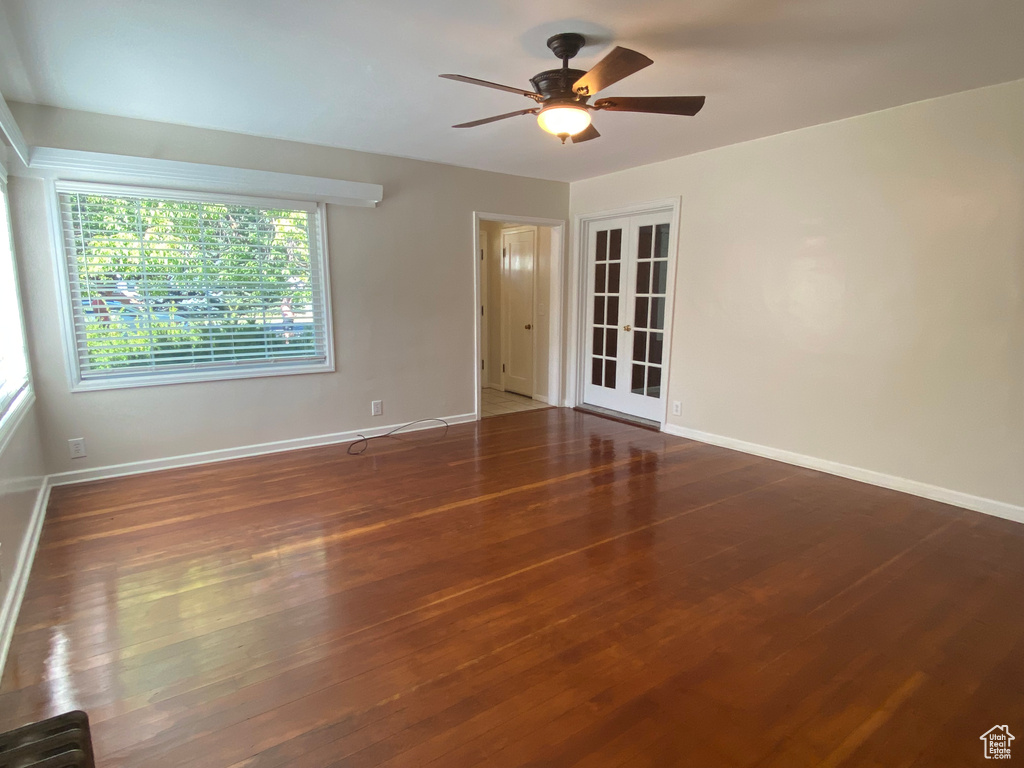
<point>60,742</point>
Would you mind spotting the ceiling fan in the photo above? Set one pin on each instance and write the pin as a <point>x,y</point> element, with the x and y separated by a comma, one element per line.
<point>562,94</point>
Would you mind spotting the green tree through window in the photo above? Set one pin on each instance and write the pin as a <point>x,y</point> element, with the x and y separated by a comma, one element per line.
<point>162,284</point>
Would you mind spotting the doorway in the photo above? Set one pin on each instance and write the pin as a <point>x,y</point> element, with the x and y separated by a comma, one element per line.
<point>627,278</point>
<point>519,321</point>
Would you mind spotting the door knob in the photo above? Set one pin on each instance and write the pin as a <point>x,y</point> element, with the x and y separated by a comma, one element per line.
<point>627,327</point>
<point>529,326</point>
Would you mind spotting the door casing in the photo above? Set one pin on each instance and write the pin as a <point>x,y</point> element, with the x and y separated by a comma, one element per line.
<point>558,314</point>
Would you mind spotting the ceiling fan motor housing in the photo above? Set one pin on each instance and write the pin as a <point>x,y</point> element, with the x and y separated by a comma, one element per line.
<point>556,84</point>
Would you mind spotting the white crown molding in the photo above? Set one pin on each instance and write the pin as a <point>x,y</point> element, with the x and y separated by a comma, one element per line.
<point>913,487</point>
<point>10,129</point>
<point>78,165</point>
<point>241,452</point>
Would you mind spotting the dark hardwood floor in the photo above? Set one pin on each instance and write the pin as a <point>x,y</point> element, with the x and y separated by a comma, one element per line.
<point>546,588</point>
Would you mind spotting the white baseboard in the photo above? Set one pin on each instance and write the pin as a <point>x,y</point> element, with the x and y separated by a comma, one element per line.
<point>241,452</point>
<point>22,568</point>
<point>913,487</point>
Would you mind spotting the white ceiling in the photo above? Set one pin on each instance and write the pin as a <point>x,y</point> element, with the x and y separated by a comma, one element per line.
<point>363,75</point>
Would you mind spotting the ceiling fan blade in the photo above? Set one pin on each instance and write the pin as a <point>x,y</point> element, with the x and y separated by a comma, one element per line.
<point>474,123</point>
<point>620,63</point>
<point>496,86</point>
<point>661,105</point>
<point>588,133</point>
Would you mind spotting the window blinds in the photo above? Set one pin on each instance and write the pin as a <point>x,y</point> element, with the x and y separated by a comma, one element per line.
<point>164,283</point>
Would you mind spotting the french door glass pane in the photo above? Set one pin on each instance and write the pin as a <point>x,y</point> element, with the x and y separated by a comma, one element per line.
<point>661,241</point>
<point>640,315</point>
<point>639,345</point>
<point>613,310</point>
<point>615,245</point>
<point>657,313</point>
<point>654,356</point>
<point>613,278</point>
<point>637,387</point>
<point>654,381</point>
<point>660,269</point>
<point>644,244</point>
<point>643,277</point>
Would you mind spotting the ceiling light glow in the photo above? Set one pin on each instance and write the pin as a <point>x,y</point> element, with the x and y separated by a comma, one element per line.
<point>563,120</point>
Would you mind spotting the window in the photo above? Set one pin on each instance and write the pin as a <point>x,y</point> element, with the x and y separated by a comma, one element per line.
<point>14,385</point>
<point>167,286</point>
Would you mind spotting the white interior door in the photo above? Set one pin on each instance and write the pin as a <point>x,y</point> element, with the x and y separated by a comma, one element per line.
<point>519,251</point>
<point>627,295</point>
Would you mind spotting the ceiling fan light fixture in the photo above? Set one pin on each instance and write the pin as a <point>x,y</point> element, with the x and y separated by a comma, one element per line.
<point>561,95</point>
<point>563,120</point>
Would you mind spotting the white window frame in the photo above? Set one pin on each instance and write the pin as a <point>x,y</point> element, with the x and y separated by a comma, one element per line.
<point>258,369</point>
<point>11,417</point>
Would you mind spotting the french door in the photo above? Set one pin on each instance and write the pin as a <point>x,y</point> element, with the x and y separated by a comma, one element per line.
<point>627,295</point>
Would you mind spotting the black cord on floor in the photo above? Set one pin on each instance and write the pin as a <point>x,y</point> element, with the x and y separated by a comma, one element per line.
<point>365,441</point>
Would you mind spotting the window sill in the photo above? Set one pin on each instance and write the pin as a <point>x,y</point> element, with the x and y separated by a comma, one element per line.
<point>130,381</point>
<point>11,420</point>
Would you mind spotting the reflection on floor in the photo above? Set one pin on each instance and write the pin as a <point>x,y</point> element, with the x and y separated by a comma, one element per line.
<point>495,403</point>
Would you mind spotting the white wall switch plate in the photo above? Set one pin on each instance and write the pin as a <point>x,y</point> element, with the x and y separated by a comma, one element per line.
<point>377,408</point>
<point>76,447</point>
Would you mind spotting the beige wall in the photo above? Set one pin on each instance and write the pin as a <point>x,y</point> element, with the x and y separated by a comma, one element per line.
<point>855,291</point>
<point>402,289</point>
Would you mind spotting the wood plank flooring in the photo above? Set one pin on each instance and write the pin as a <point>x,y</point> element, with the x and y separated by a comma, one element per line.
<point>546,588</point>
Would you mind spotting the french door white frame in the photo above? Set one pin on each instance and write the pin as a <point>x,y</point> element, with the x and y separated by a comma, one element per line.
<point>555,302</point>
<point>577,304</point>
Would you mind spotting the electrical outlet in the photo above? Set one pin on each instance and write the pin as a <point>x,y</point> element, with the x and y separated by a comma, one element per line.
<point>377,408</point>
<point>76,446</point>
<point>677,408</point>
